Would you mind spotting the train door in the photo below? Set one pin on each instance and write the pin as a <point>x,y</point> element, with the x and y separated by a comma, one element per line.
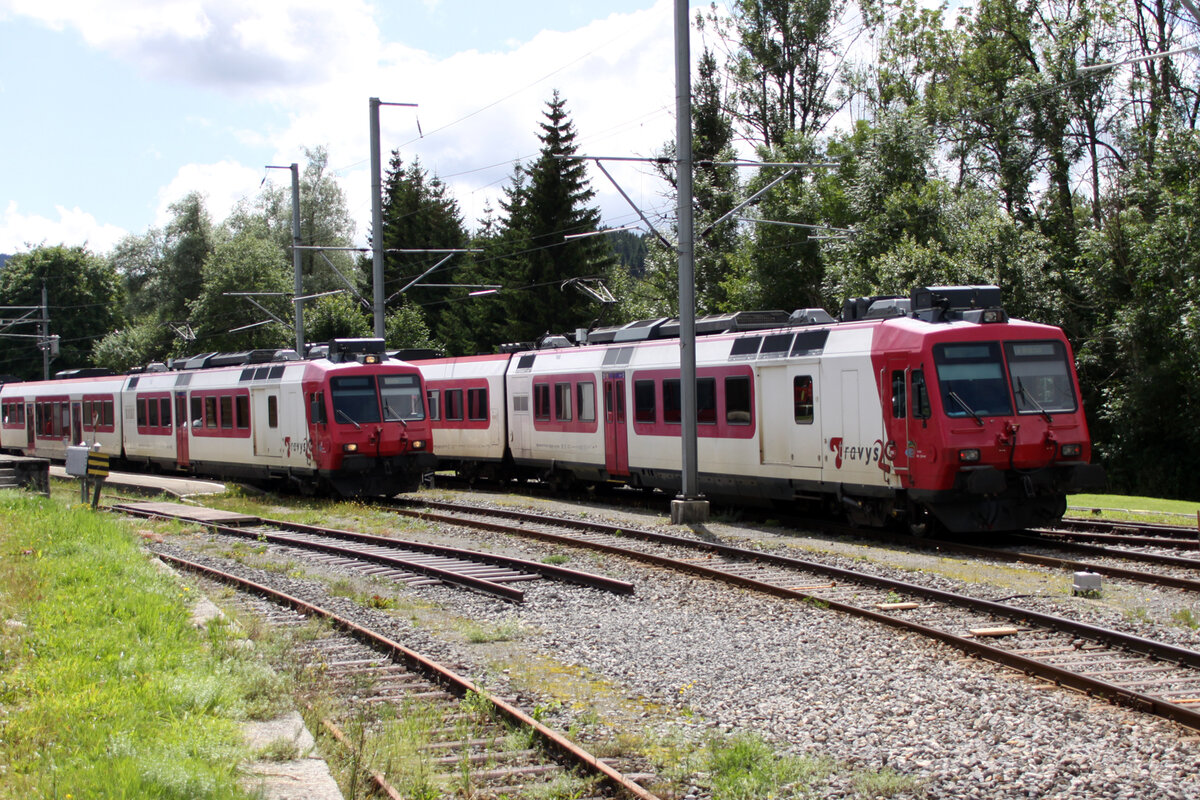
<point>789,426</point>
<point>182,430</point>
<point>894,398</point>
<point>616,434</point>
<point>30,433</point>
<point>268,439</point>
<point>76,422</point>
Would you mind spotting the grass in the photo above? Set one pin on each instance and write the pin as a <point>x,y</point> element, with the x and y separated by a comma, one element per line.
<point>1133,509</point>
<point>107,690</point>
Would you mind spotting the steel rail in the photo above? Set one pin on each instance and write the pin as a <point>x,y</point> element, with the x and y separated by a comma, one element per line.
<point>439,673</point>
<point>1117,694</point>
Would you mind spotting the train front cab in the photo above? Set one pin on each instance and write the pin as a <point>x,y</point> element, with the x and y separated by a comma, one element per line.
<point>985,429</point>
<point>369,430</point>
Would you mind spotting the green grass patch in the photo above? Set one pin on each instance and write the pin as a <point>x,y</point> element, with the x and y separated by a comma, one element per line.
<point>1132,508</point>
<point>107,688</point>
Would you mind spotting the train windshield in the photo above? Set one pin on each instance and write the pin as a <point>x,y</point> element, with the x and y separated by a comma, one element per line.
<point>1041,377</point>
<point>401,395</point>
<point>971,380</point>
<point>355,400</point>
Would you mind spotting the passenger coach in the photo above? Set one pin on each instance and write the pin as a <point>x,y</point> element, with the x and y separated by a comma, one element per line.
<point>933,407</point>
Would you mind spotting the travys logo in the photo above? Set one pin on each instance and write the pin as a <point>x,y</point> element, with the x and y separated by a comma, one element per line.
<point>864,452</point>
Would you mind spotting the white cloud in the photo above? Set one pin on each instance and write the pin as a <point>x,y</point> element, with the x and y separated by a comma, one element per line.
<point>74,227</point>
<point>222,185</point>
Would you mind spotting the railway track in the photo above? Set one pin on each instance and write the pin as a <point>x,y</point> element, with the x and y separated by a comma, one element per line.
<point>1149,676</point>
<point>472,743</point>
<point>412,563</point>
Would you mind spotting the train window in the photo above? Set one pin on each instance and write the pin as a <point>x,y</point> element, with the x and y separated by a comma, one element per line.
<point>971,379</point>
<point>810,343</point>
<point>243,411</point>
<point>706,401</point>
<point>454,403</point>
<point>585,401</point>
<point>1041,377</point>
<point>899,395</point>
<point>164,411</point>
<point>802,399</point>
<point>197,411</point>
<point>434,398</point>
<point>643,402</point>
<point>562,402</point>
<point>745,347</point>
<point>272,411</point>
<point>354,399</point>
<point>141,412</point>
<point>737,400</point>
<point>108,413</point>
<point>401,396</point>
<point>151,412</point>
<point>477,406</point>
<point>617,356</point>
<point>521,403</point>
<point>226,411</point>
<point>920,396</point>
<point>777,344</point>
<point>210,412</point>
<point>672,401</point>
<point>541,401</point>
<point>526,362</point>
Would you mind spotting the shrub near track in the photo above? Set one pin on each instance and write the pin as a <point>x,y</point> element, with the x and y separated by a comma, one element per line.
<point>106,689</point>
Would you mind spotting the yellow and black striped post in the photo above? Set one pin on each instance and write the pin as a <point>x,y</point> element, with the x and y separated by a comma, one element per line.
<point>97,471</point>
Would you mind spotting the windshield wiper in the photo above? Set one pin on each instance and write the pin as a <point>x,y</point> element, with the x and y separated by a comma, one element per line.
<point>348,418</point>
<point>388,411</point>
<point>1033,401</point>
<point>954,396</point>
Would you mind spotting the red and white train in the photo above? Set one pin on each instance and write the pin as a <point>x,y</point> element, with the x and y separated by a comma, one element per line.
<point>348,420</point>
<point>936,408</point>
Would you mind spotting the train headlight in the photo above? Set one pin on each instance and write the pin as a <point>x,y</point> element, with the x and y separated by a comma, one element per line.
<point>1071,450</point>
<point>418,444</point>
<point>969,455</point>
<point>350,448</point>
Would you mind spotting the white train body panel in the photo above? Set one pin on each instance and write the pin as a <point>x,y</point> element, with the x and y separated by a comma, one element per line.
<point>466,407</point>
<point>43,418</point>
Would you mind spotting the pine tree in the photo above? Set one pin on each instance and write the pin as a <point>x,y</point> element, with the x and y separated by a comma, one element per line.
<point>546,202</point>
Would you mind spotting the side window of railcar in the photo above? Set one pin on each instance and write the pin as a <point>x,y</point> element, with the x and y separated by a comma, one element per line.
<point>899,395</point>
<point>454,404</point>
<point>164,411</point>
<point>210,412</point>
<point>802,399</point>
<point>541,401</point>
<point>477,404</point>
<point>243,411</point>
<point>643,401</point>
<point>737,400</point>
<point>197,411</point>
<point>672,401</point>
<point>272,411</point>
<point>585,401</point>
<point>562,402</point>
<point>316,408</point>
<point>706,401</point>
<point>920,395</point>
<point>434,398</point>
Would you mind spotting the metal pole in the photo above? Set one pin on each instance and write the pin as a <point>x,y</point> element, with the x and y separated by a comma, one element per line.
<point>376,218</point>
<point>296,258</point>
<point>688,507</point>
<point>45,334</point>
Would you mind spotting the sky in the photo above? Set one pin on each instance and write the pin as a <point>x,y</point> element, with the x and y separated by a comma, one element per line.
<point>111,111</point>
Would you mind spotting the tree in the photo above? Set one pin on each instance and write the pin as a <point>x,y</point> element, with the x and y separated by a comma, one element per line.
<point>335,317</point>
<point>546,202</point>
<point>85,303</point>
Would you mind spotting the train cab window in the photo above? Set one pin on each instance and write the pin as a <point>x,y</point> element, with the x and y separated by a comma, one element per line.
<point>541,401</point>
<point>585,401</point>
<point>272,411</point>
<point>316,409</point>
<point>562,402</point>
<point>643,402</point>
<point>242,403</point>
<point>210,412</point>
<point>672,401</point>
<point>802,399</point>
<point>706,401</point>
<point>454,404</point>
<point>971,379</point>
<point>899,395</point>
<point>401,396</point>
<point>920,396</point>
<point>737,400</point>
<point>1041,377</point>
<point>354,399</point>
<point>434,398</point>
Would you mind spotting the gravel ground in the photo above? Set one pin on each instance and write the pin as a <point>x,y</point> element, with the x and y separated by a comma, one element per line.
<point>821,683</point>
